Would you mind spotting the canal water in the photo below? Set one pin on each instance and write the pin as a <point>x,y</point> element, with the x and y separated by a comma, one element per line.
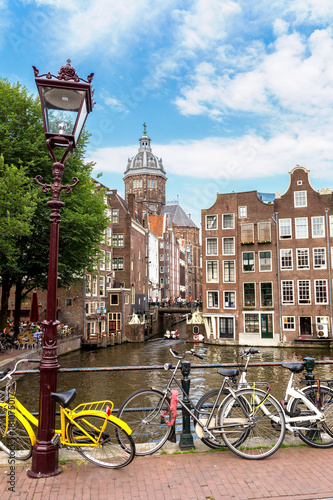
<point>118,385</point>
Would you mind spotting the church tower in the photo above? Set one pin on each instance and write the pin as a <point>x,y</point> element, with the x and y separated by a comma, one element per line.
<point>145,177</point>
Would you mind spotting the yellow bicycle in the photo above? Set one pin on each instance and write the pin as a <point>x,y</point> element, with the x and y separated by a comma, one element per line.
<point>90,428</point>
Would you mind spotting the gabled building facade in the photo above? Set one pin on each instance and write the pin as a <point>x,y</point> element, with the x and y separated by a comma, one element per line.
<point>267,266</point>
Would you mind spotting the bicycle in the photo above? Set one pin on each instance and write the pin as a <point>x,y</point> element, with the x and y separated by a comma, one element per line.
<point>308,411</point>
<point>5,347</point>
<point>90,428</point>
<point>240,418</point>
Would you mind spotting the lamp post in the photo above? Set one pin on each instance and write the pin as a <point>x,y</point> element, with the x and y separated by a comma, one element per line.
<point>66,101</point>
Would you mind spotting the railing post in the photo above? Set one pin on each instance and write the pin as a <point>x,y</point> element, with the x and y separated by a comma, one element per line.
<point>309,366</point>
<point>186,438</point>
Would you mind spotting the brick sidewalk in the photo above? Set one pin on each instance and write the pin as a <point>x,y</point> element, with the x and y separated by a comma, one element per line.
<point>291,473</point>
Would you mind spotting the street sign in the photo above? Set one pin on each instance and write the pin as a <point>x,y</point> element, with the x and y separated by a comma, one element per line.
<point>198,337</point>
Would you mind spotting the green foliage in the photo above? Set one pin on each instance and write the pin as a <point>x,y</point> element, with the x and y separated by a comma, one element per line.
<point>24,257</point>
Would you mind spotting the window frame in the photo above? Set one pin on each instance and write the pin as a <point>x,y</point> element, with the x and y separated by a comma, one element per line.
<point>208,216</point>
<point>298,198</point>
<point>212,280</point>
<point>298,267</point>
<point>284,268</point>
<point>241,211</point>
<point>260,293</point>
<point>210,292</point>
<point>261,236</point>
<point>282,226</point>
<point>233,221</point>
<point>313,226</point>
<point>260,260</point>
<point>287,302</point>
<point>304,301</point>
<point>314,257</point>
<point>248,260</point>
<point>233,245</point>
<point>253,304</point>
<point>286,322</point>
<point>224,299</point>
<point>217,246</point>
<point>315,288</point>
<point>297,236</point>
<point>234,271</point>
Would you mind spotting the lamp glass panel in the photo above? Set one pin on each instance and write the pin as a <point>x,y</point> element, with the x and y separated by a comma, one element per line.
<point>61,107</point>
<point>81,121</point>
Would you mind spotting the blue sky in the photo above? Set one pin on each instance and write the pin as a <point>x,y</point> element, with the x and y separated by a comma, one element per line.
<point>234,93</point>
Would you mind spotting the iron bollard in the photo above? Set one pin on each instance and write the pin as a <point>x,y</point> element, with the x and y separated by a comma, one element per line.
<point>309,366</point>
<point>186,438</point>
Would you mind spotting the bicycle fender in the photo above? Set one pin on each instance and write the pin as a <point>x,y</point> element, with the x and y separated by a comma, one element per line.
<point>102,414</point>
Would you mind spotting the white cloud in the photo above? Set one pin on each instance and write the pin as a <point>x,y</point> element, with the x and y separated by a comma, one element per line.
<point>240,158</point>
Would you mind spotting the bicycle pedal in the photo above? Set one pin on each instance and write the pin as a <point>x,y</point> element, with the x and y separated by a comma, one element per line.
<point>56,440</point>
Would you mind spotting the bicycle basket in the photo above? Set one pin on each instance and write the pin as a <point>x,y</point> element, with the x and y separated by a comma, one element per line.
<point>95,406</point>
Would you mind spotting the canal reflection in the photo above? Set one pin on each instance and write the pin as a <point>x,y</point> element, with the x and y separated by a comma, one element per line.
<point>118,385</point>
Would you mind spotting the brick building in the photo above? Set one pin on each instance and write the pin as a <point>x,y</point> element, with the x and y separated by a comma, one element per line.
<point>267,265</point>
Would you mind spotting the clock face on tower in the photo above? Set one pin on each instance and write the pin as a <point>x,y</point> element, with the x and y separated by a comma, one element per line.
<point>152,208</point>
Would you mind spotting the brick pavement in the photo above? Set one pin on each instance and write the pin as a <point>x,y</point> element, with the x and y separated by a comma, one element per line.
<point>292,473</point>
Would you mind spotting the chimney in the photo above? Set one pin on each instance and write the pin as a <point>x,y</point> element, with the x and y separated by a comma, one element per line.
<point>131,204</point>
<point>140,211</point>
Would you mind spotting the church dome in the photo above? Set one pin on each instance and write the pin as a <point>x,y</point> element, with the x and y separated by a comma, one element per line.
<point>144,162</point>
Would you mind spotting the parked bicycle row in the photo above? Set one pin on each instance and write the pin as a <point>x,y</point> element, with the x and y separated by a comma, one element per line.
<point>240,414</point>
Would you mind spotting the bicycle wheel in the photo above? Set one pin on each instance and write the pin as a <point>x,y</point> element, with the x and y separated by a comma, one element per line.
<point>110,452</point>
<point>142,412</point>
<point>16,442</point>
<point>8,348</point>
<point>315,433</point>
<point>249,424</point>
<point>202,412</point>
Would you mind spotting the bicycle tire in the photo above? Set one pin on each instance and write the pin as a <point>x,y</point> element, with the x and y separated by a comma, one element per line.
<point>262,438</point>
<point>8,348</point>
<point>142,412</point>
<point>110,453</point>
<point>320,434</point>
<point>16,443</point>
<point>202,412</point>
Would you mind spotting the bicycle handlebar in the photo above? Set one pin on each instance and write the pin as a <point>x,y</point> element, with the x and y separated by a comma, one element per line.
<point>7,373</point>
<point>175,354</point>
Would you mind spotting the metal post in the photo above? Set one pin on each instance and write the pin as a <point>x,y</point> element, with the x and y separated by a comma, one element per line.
<point>186,438</point>
<point>309,366</point>
<point>45,453</point>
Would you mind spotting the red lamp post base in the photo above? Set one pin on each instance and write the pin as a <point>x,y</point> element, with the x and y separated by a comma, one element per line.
<point>44,462</point>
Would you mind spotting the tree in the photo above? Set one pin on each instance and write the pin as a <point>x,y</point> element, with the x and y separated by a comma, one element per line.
<point>22,143</point>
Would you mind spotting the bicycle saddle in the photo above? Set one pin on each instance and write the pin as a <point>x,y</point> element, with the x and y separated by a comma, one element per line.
<point>64,398</point>
<point>294,367</point>
<point>227,372</point>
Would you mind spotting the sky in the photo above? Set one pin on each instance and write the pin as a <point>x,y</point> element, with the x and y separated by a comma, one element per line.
<point>235,93</point>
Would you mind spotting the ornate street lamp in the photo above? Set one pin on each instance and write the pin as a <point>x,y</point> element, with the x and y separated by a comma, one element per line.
<point>66,101</point>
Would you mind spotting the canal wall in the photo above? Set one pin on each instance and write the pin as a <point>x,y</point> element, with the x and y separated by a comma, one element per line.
<point>63,347</point>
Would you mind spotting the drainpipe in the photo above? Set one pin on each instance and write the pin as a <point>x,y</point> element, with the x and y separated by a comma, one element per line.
<point>329,266</point>
<point>276,220</point>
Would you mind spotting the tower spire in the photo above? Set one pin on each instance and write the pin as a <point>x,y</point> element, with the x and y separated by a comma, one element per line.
<point>144,128</point>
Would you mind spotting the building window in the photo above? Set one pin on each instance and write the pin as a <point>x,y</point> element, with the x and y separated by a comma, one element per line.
<point>302,255</point>
<point>248,262</point>
<point>321,291</point>
<point>319,258</point>
<point>264,232</point>
<point>212,271</point>
<point>249,295</point>
<point>114,322</point>
<point>247,233</point>
<point>318,228</point>
<point>228,221</point>
<point>162,281</point>
<point>288,322</point>
<point>242,212</point>
<point>287,287</point>
<point>108,236</point>
<point>133,294</point>
<point>300,199</point>
<point>251,323</point>
<point>211,246</point>
<point>102,285</point>
<point>88,285</point>
<point>108,261</point>
<point>162,269</point>
<point>265,261</point>
<point>102,261</point>
<point>114,299</point>
<point>304,292</point>
<point>211,221</point>
<point>118,239</point>
<point>118,264</point>
<point>301,227</point>
<point>115,216</point>
<point>228,246</point>
<point>285,229</point>
<point>286,256</point>
<point>229,299</point>
<point>213,299</point>
<point>266,294</point>
<point>94,286</point>
<point>229,271</point>
<point>226,328</point>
